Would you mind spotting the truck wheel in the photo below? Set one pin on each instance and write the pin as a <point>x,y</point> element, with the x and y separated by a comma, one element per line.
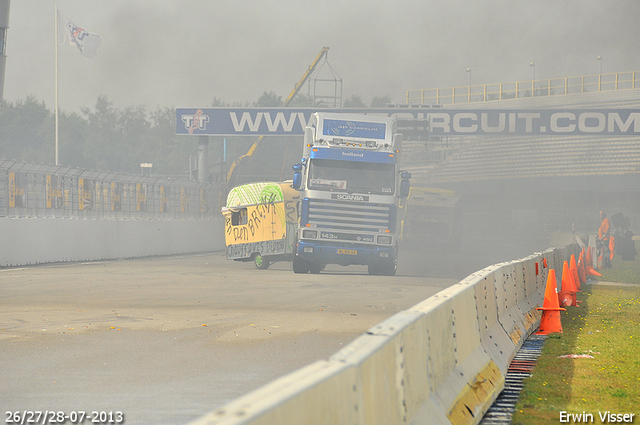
<point>316,268</point>
<point>300,265</point>
<point>388,268</point>
<point>261,262</point>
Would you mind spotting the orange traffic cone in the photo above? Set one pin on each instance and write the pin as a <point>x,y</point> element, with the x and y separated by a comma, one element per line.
<point>550,321</point>
<point>589,264</point>
<point>591,271</point>
<point>582,275</point>
<point>574,270</point>
<point>588,259</point>
<point>567,294</point>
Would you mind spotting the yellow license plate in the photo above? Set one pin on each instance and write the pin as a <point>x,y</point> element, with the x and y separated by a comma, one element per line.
<point>347,251</point>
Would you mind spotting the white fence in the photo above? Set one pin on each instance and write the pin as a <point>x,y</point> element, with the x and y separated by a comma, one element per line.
<point>32,190</point>
<point>27,241</point>
<point>55,213</point>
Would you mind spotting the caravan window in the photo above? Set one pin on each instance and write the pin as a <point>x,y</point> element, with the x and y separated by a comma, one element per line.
<point>238,218</point>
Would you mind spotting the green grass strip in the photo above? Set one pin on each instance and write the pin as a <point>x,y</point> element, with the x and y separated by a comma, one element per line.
<point>606,326</point>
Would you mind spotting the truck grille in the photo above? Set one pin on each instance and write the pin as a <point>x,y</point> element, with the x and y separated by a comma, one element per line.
<point>350,216</point>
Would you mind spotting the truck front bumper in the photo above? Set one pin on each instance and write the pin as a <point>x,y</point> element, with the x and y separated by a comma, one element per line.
<point>344,254</point>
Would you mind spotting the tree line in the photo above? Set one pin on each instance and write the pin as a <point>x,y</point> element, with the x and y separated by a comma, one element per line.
<point>107,138</point>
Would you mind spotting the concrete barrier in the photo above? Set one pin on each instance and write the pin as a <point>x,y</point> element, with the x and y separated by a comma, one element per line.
<point>443,361</point>
<point>25,241</point>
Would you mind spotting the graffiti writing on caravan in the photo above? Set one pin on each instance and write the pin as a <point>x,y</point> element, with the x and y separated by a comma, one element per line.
<point>291,209</point>
<point>242,231</point>
<point>264,248</point>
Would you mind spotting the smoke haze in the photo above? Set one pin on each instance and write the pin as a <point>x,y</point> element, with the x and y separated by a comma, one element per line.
<point>186,53</point>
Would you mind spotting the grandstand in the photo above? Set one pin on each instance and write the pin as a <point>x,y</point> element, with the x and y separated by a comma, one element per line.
<point>505,177</point>
<point>526,157</point>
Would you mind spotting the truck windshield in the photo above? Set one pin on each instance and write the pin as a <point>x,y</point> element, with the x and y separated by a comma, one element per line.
<point>351,176</point>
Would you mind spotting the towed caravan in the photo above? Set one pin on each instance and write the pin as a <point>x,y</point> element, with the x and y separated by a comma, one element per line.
<point>260,222</point>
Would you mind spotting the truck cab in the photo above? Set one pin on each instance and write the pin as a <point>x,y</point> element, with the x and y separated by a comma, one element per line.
<point>350,187</point>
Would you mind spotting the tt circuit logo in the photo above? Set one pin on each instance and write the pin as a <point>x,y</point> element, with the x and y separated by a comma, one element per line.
<point>197,121</point>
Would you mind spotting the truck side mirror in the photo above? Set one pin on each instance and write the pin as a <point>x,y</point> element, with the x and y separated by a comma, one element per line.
<point>405,185</point>
<point>297,176</point>
<point>309,133</point>
<point>397,141</point>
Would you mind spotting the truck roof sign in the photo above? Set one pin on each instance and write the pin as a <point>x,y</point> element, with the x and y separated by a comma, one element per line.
<point>354,129</point>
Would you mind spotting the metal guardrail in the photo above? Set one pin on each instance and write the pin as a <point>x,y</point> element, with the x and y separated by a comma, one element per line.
<point>526,89</point>
<point>31,190</point>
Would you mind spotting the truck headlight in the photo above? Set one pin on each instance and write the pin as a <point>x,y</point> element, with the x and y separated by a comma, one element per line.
<point>309,234</point>
<point>384,240</point>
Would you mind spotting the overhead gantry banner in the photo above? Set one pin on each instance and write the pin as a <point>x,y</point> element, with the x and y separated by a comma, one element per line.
<point>441,122</point>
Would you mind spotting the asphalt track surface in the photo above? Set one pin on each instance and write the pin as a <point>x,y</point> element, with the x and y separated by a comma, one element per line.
<point>167,339</point>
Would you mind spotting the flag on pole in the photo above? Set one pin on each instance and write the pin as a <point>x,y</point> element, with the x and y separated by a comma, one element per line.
<point>74,35</point>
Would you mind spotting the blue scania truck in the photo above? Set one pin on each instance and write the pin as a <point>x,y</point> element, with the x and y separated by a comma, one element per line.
<point>350,187</point>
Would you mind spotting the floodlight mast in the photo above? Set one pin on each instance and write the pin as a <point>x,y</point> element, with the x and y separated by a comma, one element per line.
<point>4,27</point>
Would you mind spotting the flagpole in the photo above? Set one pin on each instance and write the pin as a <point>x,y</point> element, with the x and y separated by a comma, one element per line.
<point>56,84</point>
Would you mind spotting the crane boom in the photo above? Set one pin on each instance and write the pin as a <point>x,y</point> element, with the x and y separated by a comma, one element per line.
<point>306,76</point>
<point>286,103</point>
